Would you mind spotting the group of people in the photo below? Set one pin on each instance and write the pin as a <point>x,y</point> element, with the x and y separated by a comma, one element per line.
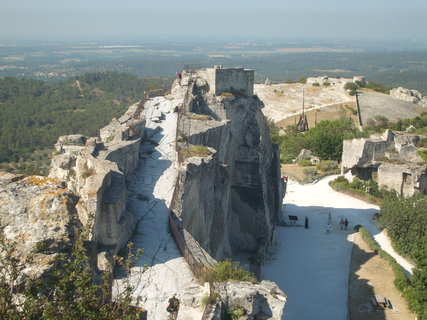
<point>343,224</point>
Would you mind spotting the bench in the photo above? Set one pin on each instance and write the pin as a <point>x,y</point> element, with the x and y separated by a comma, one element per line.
<point>293,219</point>
<point>379,301</point>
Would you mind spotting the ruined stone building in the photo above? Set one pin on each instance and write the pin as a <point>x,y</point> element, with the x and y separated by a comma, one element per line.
<point>390,159</point>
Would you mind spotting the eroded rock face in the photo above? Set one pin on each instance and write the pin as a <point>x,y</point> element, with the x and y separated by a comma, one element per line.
<point>40,214</point>
<point>409,95</point>
<point>391,159</point>
<point>96,169</point>
<point>232,199</point>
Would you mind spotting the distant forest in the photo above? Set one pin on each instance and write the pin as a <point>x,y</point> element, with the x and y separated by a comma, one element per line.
<point>34,113</point>
<point>97,88</point>
<point>390,67</point>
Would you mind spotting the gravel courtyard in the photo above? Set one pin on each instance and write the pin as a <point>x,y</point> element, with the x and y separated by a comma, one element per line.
<point>312,266</point>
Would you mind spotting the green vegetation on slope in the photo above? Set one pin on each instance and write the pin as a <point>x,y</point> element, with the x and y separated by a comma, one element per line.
<point>406,222</point>
<point>71,291</point>
<point>353,87</point>
<point>228,270</point>
<point>34,113</point>
<point>366,190</point>
<point>325,139</point>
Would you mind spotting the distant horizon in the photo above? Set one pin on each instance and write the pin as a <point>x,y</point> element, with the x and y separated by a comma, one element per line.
<point>303,43</point>
<point>221,20</point>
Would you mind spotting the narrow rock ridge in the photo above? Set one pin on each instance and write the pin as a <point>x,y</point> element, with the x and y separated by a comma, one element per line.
<point>232,199</point>
<point>126,180</point>
<point>161,270</point>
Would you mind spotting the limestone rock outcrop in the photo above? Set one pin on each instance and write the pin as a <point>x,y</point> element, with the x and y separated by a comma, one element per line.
<point>262,300</point>
<point>232,198</point>
<point>229,198</point>
<point>409,95</point>
<point>39,215</point>
<point>96,168</point>
<point>391,159</point>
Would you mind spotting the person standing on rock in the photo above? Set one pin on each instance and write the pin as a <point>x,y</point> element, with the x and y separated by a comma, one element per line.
<point>306,222</point>
<point>173,307</point>
<point>179,75</point>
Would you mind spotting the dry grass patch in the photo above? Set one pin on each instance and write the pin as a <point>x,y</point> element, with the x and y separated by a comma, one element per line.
<point>194,151</point>
<point>199,117</point>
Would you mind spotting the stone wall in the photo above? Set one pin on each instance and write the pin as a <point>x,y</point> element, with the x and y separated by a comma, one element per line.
<point>220,80</point>
<point>391,159</point>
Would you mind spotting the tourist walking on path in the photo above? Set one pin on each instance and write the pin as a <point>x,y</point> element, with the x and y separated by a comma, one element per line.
<point>342,224</point>
<point>328,228</point>
<point>345,224</point>
<point>306,222</point>
<point>173,307</point>
<point>329,218</point>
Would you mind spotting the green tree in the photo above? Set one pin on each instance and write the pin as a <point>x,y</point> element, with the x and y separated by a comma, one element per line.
<point>326,138</point>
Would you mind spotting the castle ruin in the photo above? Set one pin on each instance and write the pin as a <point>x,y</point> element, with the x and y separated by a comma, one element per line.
<point>233,80</point>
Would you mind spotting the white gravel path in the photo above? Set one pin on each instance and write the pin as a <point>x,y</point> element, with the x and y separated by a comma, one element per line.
<point>161,271</point>
<point>311,266</point>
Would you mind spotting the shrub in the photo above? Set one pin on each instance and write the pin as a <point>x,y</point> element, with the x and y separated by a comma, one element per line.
<point>205,300</point>
<point>327,165</point>
<point>422,154</point>
<point>304,163</point>
<point>70,291</point>
<point>228,270</point>
<point>316,84</point>
<point>422,143</point>
<point>341,179</point>
<point>377,87</point>
<point>213,299</point>
<point>236,312</point>
<point>351,86</point>
<point>360,84</point>
<point>366,190</point>
<point>310,172</point>
<point>326,84</point>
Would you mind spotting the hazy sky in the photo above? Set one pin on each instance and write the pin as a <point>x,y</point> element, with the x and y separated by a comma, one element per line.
<point>216,19</point>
